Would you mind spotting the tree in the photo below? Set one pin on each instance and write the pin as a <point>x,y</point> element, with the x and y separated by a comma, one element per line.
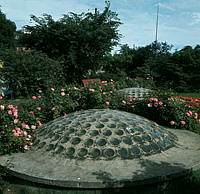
<point>78,41</point>
<point>7,32</point>
<point>25,72</point>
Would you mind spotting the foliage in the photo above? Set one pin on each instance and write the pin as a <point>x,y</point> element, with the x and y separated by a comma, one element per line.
<point>7,32</point>
<point>18,122</point>
<point>79,41</point>
<point>166,109</point>
<point>27,72</point>
<point>178,71</point>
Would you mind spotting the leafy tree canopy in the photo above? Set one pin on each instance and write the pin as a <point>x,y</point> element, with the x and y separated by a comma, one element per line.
<point>79,41</point>
<point>7,32</point>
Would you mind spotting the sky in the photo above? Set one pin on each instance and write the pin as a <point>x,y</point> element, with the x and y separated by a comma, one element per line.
<point>178,24</point>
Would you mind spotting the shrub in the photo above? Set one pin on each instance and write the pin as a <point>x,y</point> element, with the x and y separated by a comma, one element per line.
<point>25,72</point>
<point>166,109</point>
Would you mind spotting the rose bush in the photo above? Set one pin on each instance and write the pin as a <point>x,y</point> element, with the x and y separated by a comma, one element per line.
<point>18,122</point>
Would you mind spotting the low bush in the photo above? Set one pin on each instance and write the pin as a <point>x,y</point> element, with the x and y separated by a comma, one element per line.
<point>18,122</point>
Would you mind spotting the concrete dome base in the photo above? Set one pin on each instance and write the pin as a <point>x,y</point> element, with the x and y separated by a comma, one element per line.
<point>115,173</point>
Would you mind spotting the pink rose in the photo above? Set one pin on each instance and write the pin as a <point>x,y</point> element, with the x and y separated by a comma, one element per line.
<point>2,107</point>
<point>10,112</point>
<point>154,99</point>
<point>16,121</point>
<point>2,132</point>
<point>149,105</point>
<point>62,90</point>
<point>107,103</point>
<point>26,147</point>
<point>172,123</point>
<point>16,134</point>
<point>17,129</point>
<point>104,93</point>
<point>33,127</point>
<point>52,89</point>
<point>1,97</point>
<point>91,89</point>
<point>10,106</point>
<point>124,102</point>
<point>39,123</point>
<point>62,93</point>
<point>40,91</point>
<point>39,108</point>
<point>25,133</point>
<point>34,97</point>
<point>104,82</point>
<point>16,115</point>
<point>53,108</point>
<point>39,97</point>
<point>160,103</point>
<point>183,122</point>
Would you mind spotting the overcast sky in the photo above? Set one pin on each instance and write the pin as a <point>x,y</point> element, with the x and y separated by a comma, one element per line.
<point>179,20</point>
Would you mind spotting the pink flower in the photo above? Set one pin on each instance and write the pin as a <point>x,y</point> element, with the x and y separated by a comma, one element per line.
<point>107,103</point>
<point>1,97</point>
<point>26,147</point>
<point>14,131</point>
<point>34,97</point>
<point>124,102</point>
<point>62,93</point>
<point>16,121</point>
<point>104,93</point>
<point>40,91</point>
<point>10,106</point>
<point>172,123</point>
<point>25,133</point>
<point>16,134</point>
<point>17,129</point>
<point>52,89</point>
<point>2,107</point>
<point>31,112</point>
<point>195,115</point>
<point>62,90</point>
<point>23,125</point>
<point>91,89</point>
<point>104,82</point>
<point>39,123</point>
<point>16,115</point>
<point>33,127</point>
<point>39,97</point>
<point>2,132</point>
<point>183,122</point>
<point>28,139</point>
<point>64,113</point>
<point>53,108</point>
<point>110,92</point>
<point>160,103</point>
<point>149,105</point>
<point>10,112</point>
<point>39,108</point>
<point>154,99</point>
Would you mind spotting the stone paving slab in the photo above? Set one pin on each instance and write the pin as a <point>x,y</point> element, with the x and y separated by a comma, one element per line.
<point>116,173</point>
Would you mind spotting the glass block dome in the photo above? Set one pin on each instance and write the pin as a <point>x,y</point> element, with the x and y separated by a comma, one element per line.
<point>102,134</point>
<point>134,92</point>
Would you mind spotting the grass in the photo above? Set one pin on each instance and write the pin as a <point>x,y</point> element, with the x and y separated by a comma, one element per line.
<point>192,95</point>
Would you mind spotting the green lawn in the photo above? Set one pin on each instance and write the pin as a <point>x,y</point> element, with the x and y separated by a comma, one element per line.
<point>194,95</point>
